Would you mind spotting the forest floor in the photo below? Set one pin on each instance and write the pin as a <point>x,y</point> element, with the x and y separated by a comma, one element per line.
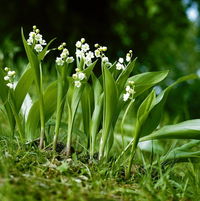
<point>27,174</point>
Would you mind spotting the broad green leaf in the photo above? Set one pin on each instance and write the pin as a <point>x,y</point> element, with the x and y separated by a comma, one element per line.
<point>22,87</point>
<point>96,119</point>
<point>97,112</point>
<point>89,69</point>
<point>110,103</point>
<point>110,143</point>
<point>86,102</point>
<point>181,156</point>
<point>145,81</point>
<point>153,146</point>
<point>187,146</point>
<point>185,130</point>
<point>122,123</point>
<point>123,77</point>
<point>45,51</point>
<point>142,115</point>
<point>50,100</point>
<point>97,88</point>
<point>112,69</point>
<point>156,113</point>
<point>33,60</point>
<point>62,88</point>
<point>3,87</point>
<point>32,123</point>
<point>74,94</point>
<point>145,108</point>
<point>182,153</point>
<point>185,78</point>
<point>77,92</point>
<point>121,81</point>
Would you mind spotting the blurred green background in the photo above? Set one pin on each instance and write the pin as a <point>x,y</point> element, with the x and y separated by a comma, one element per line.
<point>162,34</point>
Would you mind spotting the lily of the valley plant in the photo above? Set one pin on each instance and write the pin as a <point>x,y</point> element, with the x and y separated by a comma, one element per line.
<point>90,109</point>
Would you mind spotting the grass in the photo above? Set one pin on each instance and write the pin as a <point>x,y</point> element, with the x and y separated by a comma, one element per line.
<point>27,174</point>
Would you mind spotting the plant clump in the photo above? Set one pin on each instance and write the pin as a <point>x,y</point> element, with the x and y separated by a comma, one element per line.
<point>83,110</point>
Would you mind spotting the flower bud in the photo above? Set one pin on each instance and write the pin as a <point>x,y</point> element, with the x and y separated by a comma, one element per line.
<point>10,85</point>
<point>74,76</point>
<point>105,59</point>
<point>6,78</point>
<point>104,48</point>
<point>77,83</point>
<point>121,60</point>
<point>82,40</point>
<point>69,60</point>
<point>78,44</point>
<point>6,69</point>
<point>11,73</point>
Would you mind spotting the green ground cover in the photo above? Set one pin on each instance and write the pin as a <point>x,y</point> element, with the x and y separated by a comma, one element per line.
<point>27,174</point>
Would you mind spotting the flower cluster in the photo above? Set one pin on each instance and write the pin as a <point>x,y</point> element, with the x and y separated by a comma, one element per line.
<point>82,51</point>
<point>121,64</point>
<point>35,39</point>
<point>129,55</point>
<point>130,91</point>
<point>9,77</point>
<point>78,77</point>
<point>100,52</point>
<point>64,56</point>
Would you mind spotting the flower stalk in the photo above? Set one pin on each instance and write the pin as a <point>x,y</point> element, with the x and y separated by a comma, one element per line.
<point>42,121</point>
<point>62,64</point>
<point>62,81</point>
<point>133,149</point>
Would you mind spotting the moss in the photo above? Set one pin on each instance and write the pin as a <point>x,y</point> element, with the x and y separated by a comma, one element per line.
<point>27,174</point>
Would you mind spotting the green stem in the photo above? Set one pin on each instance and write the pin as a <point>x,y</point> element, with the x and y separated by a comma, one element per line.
<point>109,143</point>
<point>92,150</point>
<point>71,118</point>
<point>105,131</point>
<point>101,149</point>
<point>42,121</point>
<point>69,137</point>
<point>123,120</point>
<point>41,106</point>
<point>94,125</point>
<point>134,146</point>
<point>92,140</point>
<point>73,100</point>
<point>58,111</point>
<point>124,151</point>
<point>62,85</point>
